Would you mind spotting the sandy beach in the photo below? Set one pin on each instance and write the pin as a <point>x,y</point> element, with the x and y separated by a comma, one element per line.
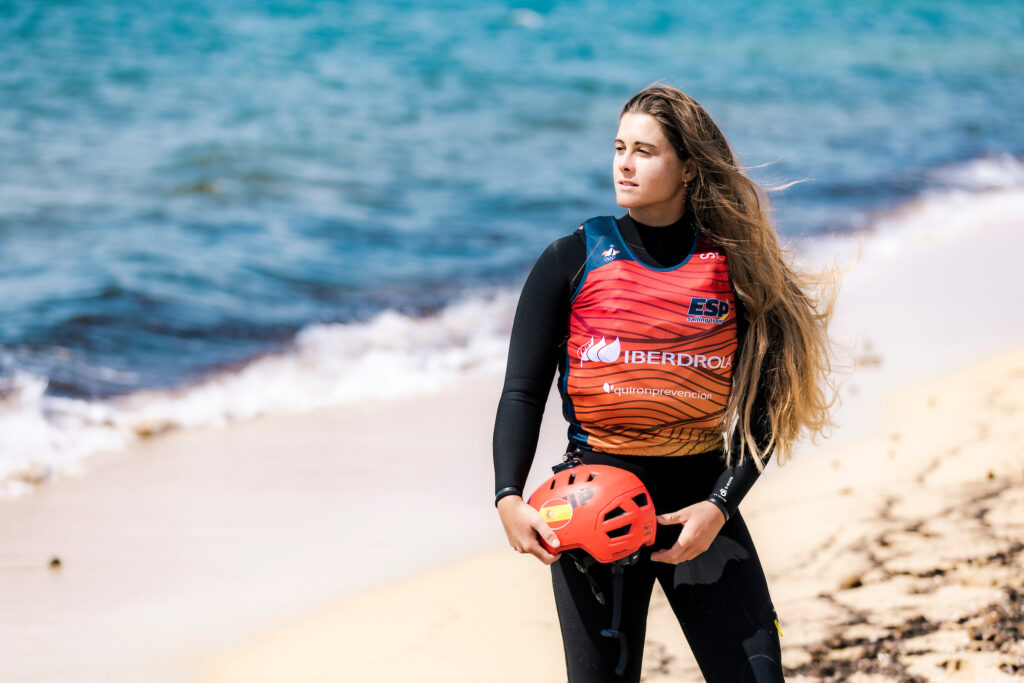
<point>896,557</point>
<point>360,543</point>
<point>259,265</point>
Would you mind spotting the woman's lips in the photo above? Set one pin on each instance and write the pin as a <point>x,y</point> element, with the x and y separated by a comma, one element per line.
<point>627,183</point>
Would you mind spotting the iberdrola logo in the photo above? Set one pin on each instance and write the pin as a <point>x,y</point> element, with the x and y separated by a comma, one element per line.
<point>602,351</point>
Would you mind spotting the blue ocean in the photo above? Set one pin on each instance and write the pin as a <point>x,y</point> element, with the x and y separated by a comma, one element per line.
<point>215,211</point>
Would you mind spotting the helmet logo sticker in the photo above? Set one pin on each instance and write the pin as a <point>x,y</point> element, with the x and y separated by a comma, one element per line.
<point>580,498</point>
<point>556,513</point>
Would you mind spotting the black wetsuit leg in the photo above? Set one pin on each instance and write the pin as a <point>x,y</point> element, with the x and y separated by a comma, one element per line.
<point>589,656</point>
<point>720,597</point>
<point>722,603</point>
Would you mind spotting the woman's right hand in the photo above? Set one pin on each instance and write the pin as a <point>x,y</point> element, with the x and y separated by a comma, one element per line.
<point>524,528</point>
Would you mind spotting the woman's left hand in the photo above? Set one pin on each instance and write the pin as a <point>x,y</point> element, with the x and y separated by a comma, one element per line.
<point>701,523</point>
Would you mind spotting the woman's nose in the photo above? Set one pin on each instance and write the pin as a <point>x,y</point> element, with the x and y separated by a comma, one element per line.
<point>625,163</point>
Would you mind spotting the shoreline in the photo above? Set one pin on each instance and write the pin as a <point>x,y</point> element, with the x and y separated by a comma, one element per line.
<point>393,354</point>
<point>196,539</point>
<point>179,554</point>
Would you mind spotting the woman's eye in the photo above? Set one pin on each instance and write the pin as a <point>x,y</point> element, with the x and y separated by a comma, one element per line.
<point>642,151</point>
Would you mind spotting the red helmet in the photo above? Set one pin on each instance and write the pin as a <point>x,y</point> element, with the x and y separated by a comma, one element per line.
<point>603,510</point>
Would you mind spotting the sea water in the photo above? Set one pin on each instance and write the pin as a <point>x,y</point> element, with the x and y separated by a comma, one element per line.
<point>215,211</point>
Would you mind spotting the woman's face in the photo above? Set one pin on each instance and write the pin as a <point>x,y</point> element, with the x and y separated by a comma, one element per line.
<point>648,174</point>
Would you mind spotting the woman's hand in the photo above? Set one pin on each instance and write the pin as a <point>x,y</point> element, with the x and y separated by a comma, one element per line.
<point>524,527</point>
<point>701,523</point>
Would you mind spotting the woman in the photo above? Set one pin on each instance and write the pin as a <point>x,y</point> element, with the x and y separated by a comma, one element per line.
<point>688,351</point>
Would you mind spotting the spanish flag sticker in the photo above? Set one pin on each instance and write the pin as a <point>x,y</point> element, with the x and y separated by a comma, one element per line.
<point>556,512</point>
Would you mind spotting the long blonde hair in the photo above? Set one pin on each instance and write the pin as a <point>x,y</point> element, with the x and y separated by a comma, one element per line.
<point>786,352</point>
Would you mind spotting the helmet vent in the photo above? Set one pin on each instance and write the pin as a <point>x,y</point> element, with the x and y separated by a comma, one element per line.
<point>640,499</point>
<point>612,514</point>
<point>621,531</point>
<point>591,477</point>
<point>553,482</point>
<point>572,478</point>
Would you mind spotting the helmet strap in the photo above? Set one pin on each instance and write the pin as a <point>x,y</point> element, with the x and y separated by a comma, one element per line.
<point>583,562</point>
<point>614,632</point>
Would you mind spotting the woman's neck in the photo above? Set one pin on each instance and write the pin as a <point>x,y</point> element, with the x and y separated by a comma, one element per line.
<point>659,246</point>
<point>657,218</point>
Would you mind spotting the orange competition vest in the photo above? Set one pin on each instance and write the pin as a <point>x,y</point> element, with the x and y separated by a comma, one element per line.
<point>648,364</point>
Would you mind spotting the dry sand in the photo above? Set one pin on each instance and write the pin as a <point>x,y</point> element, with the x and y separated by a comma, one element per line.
<point>896,557</point>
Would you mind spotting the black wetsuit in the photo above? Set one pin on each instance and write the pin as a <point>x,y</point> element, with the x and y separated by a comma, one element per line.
<point>720,598</point>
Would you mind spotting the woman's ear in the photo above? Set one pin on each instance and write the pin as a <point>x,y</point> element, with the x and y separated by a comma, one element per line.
<point>689,170</point>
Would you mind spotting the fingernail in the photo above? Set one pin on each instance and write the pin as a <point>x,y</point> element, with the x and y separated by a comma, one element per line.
<point>554,543</point>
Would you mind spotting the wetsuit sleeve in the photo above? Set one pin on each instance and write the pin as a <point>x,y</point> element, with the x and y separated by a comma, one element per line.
<point>538,332</point>
<point>734,482</point>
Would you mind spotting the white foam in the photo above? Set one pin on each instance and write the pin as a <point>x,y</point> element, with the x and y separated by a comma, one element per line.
<point>526,18</point>
<point>987,173</point>
<point>965,197</point>
<point>390,355</point>
<point>43,434</point>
